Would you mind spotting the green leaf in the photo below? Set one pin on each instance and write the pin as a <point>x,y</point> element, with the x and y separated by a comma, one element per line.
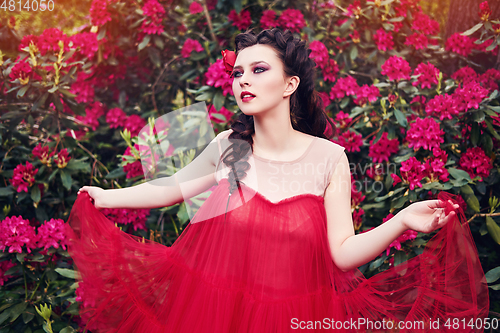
<point>154,55</point>
<point>53,174</point>
<point>66,179</point>
<point>204,97</point>
<point>117,173</point>
<point>17,310</point>
<point>28,315</point>
<point>377,263</point>
<point>459,174</point>
<point>22,91</point>
<point>493,229</point>
<point>67,329</point>
<point>495,287</point>
<point>4,316</point>
<point>492,46</point>
<point>101,33</point>
<point>35,193</point>
<point>144,42</point>
<point>475,134</point>
<point>493,274</point>
<point>218,100</point>
<point>6,191</point>
<point>400,117</point>
<point>399,258</point>
<point>472,30</point>
<point>354,53</point>
<point>69,273</point>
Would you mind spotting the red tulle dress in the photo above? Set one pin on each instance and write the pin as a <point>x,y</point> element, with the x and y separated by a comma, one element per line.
<point>266,266</point>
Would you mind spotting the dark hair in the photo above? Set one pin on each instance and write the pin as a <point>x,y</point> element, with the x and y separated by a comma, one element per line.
<point>307,112</point>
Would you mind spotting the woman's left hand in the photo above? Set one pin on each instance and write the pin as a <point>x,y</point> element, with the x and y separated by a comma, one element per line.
<point>428,215</point>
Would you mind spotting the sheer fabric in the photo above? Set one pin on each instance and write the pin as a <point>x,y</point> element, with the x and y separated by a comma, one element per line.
<point>266,268</point>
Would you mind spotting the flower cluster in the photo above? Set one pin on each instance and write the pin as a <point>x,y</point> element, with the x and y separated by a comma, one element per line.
<point>366,94</point>
<point>484,11</point>
<point>442,106</point>
<point>16,232</point>
<point>136,217</point>
<point>217,77</point>
<point>216,116</point>
<point>424,133</point>
<point>381,150</point>
<point>134,124</point>
<point>396,68</point>
<point>292,19</point>
<point>155,14</point>
<point>412,173</point>
<point>351,141</point>
<point>346,86</point>
<point>52,234</point>
<point>428,75</point>
<point>132,169</point>
<point>23,177</point>
<point>62,158</point>
<point>460,44</point>
<point>116,118</point>
<point>99,13</point>
<point>92,114</point>
<point>425,25</point>
<point>383,39</point>
<point>434,166</point>
<point>195,8</point>
<point>4,267</point>
<point>268,19</point>
<point>189,46</point>
<point>418,41</point>
<point>476,163</point>
<point>23,71</point>
<point>242,21</point>
<point>42,153</point>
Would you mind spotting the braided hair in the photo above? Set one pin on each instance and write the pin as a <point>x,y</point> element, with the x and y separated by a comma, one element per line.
<point>307,111</point>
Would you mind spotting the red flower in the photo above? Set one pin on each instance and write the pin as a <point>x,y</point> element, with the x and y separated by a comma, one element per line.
<point>383,40</point>
<point>23,177</point>
<point>155,13</point>
<point>346,86</point>
<point>396,68</point>
<point>292,19</point>
<point>268,19</point>
<point>484,11</point>
<point>424,133</point>
<point>195,8</point>
<point>62,158</point>
<point>442,106</point>
<point>217,76</point>
<point>412,172</point>
<point>383,148</point>
<point>428,75</point>
<point>319,53</point>
<point>460,44</point>
<point>242,20</point>
<point>476,163</point>
<point>330,71</point>
<point>116,118</point>
<point>228,58</point>
<point>189,46</point>
<point>418,41</point>
<point>43,154</point>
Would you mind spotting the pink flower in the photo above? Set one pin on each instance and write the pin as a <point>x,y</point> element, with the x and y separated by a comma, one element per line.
<point>417,103</point>
<point>52,233</point>
<point>490,78</point>
<point>484,11</point>
<point>428,75</point>
<point>17,232</point>
<point>330,71</point>
<point>23,177</point>
<point>116,118</point>
<point>343,119</point>
<point>460,44</point>
<point>189,46</point>
<point>464,74</point>
<point>22,71</point>
<point>223,112</point>
<point>132,169</point>
<point>86,43</point>
<point>383,39</point>
<point>412,172</point>
<point>292,19</point>
<point>49,41</point>
<point>136,217</point>
<point>319,53</point>
<point>418,41</point>
<point>354,9</point>
<point>476,163</point>
<point>268,19</point>
<point>4,267</point>
<point>154,12</point>
<point>93,112</point>
<point>195,8</point>
<point>346,86</point>
<point>99,12</point>
<point>423,24</point>
<point>381,150</point>
<point>469,96</point>
<point>396,68</point>
<point>366,94</point>
<point>350,141</point>
<point>62,158</point>
<point>134,124</point>
<point>242,20</point>
<point>434,167</point>
<point>26,41</point>
<point>217,77</point>
<point>442,106</point>
<point>395,178</point>
<point>43,154</point>
<point>424,133</point>
<point>83,87</point>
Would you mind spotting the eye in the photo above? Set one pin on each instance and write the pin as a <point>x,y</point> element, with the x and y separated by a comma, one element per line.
<point>259,69</point>
<point>235,74</point>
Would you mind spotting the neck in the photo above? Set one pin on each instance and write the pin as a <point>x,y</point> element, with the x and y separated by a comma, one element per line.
<point>274,132</point>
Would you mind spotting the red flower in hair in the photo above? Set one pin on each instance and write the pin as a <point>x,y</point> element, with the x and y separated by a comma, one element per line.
<point>229,58</point>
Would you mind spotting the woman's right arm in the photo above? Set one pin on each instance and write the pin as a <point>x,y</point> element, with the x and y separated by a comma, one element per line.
<point>193,179</point>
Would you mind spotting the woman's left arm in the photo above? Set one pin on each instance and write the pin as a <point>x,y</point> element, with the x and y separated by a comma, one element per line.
<point>349,250</point>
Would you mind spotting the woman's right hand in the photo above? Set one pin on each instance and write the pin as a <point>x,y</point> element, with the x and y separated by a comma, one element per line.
<point>96,193</point>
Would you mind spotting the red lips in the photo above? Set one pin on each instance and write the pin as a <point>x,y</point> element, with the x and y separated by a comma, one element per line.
<point>243,93</point>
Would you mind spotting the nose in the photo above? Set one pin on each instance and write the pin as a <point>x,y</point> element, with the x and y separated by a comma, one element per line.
<point>243,80</point>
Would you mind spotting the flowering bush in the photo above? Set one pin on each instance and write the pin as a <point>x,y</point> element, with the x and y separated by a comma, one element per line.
<point>73,107</point>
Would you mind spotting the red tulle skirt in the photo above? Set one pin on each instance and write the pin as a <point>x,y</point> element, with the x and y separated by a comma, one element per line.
<point>267,267</point>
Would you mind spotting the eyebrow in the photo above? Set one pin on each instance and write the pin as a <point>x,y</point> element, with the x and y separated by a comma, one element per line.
<point>252,64</point>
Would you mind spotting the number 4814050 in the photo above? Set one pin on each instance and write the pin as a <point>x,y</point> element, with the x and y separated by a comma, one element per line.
<point>33,5</point>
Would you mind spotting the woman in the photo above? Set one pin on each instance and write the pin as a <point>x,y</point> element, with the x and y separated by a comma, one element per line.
<point>273,248</point>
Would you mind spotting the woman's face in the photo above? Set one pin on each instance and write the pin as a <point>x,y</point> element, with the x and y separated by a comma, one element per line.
<point>259,81</point>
